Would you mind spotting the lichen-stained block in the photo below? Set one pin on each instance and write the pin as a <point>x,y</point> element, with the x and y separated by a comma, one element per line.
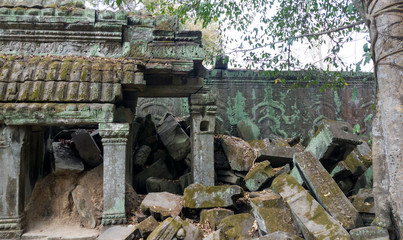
<point>272,214</point>
<point>332,142</point>
<point>326,190</point>
<point>311,217</point>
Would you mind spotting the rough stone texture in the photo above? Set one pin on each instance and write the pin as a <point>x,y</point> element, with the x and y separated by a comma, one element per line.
<point>278,155</point>
<point>363,201</point>
<point>185,180</point>
<point>162,205</point>
<point>174,138</point>
<point>13,150</point>
<point>157,169</point>
<point>228,176</point>
<point>311,217</point>
<point>259,144</point>
<point>142,155</point>
<point>199,196</point>
<point>82,202</point>
<point>239,153</point>
<point>332,142</point>
<point>213,217</point>
<point>259,175</point>
<point>114,139</point>
<point>202,111</point>
<point>87,148</point>
<point>365,180</point>
<point>154,184</point>
<point>167,230</point>
<point>279,236</point>
<point>272,214</point>
<point>144,228</point>
<point>326,190</point>
<point>364,152</point>
<point>369,233</point>
<point>354,164</point>
<point>118,233</point>
<point>237,226</point>
<point>248,130</point>
<point>216,235</point>
<point>66,158</point>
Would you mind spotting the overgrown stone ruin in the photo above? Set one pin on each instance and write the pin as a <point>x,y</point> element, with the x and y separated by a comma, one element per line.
<point>75,161</point>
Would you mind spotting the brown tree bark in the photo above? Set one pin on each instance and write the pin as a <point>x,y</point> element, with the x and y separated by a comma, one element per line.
<point>385,21</point>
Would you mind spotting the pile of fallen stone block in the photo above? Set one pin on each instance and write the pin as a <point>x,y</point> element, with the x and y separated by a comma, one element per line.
<point>265,189</point>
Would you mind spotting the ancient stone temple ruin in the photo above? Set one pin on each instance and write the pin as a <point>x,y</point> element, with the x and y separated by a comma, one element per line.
<point>62,64</point>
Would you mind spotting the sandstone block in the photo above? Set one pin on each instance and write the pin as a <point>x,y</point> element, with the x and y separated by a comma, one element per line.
<point>162,205</point>
<point>87,148</point>
<point>279,236</point>
<point>66,159</point>
<point>326,190</point>
<point>213,217</point>
<point>278,155</point>
<point>239,153</point>
<point>174,138</point>
<point>272,214</point>
<point>311,217</point>
<point>259,175</point>
<point>237,226</point>
<point>369,233</point>
<point>118,233</point>
<point>145,227</point>
<point>200,196</point>
<point>248,130</point>
<point>142,154</point>
<point>155,184</point>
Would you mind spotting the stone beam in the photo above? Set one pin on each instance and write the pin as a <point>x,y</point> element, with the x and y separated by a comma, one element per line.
<point>115,138</point>
<point>202,111</point>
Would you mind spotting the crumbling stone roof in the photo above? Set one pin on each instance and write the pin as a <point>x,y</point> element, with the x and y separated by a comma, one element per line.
<point>66,79</point>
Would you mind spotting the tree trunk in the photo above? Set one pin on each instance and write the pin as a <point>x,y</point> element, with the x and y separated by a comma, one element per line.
<point>385,20</point>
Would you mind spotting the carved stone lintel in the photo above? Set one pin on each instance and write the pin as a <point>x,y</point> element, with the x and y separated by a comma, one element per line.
<point>113,219</point>
<point>118,131</point>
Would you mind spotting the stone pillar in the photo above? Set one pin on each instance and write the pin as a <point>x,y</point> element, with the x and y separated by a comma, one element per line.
<point>13,154</point>
<point>114,140</point>
<point>202,111</point>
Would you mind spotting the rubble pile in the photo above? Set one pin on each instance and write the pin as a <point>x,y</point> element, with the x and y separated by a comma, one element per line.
<point>265,189</point>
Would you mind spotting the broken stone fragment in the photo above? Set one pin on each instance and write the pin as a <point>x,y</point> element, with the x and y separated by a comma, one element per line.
<point>162,205</point>
<point>248,130</point>
<point>117,233</point>
<point>332,142</point>
<point>157,169</point>
<point>147,132</point>
<point>228,176</point>
<point>369,233</point>
<point>155,184</point>
<point>145,227</point>
<point>364,201</point>
<point>66,159</point>
<point>279,236</point>
<point>239,153</point>
<point>185,180</point>
<point>259,144</point>
<point>311,217</point>
<point>278,155</point>
<point>141,156</point>
<point>190,231</point>
<point>259,175</point>
<point>216,235</point>
<point>174,138</point>
<point>213,217</point>
<point>238,226</point>
<point>326,190</point>
<point>364,153</point>
<point>354,164</point>
<point>87,148</point>
<point>166,230</point>
<point>272,214</point>
<point>200,196</point>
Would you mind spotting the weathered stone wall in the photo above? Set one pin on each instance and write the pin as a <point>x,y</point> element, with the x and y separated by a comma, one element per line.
<point>277,108</point>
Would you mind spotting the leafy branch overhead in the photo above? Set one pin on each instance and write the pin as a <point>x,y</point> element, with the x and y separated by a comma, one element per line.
<point>268,33</point>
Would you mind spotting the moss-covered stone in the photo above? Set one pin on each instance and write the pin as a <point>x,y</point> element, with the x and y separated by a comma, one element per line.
<point>238,226</point>
<point>213,217</point>
<point>311,217</point>
<point>239,153</point>
<point>259,175</point>
<point>200,196</point>
<point>272,214</point>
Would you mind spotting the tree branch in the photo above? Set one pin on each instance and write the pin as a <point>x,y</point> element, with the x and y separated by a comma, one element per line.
<point>305,35</point>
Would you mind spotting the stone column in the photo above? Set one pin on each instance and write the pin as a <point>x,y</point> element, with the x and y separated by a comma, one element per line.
<point>114,140</point>
<point>13,154</point>
<point>202,111</point>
